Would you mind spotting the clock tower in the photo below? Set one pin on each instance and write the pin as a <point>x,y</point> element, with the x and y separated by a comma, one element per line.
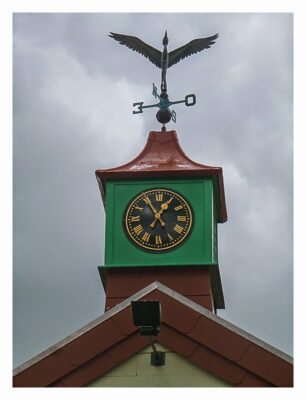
<point>162,214</point>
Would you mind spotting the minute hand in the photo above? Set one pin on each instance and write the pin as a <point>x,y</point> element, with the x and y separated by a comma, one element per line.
<point>156,214</point>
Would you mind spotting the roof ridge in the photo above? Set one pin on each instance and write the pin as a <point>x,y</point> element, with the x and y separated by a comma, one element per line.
<point>138,295</point>
<point>209,314</point>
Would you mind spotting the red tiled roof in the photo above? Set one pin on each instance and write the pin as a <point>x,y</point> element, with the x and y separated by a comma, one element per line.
<point>188,329</point>
<point>163,157</point>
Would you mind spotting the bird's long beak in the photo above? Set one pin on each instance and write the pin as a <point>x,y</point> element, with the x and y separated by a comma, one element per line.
<point>165,39</point>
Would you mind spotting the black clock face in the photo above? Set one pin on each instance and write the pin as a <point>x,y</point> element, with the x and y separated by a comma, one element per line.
<point>158,219</point>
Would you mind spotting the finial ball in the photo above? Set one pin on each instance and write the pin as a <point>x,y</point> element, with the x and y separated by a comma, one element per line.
<point>163,116</point>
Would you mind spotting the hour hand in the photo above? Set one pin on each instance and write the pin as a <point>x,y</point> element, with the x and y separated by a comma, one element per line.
<point>163,208</point>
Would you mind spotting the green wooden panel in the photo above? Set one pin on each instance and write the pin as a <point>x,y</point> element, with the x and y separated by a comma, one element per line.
<point>215,230</point>
<point>199,248</point>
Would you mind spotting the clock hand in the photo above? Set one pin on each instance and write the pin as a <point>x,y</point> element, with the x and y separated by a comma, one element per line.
<point>148,202</point>
<point>163,208</point>
<point>156,214</point>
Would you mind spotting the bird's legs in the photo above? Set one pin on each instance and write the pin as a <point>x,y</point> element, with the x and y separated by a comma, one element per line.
<point>163,85</point>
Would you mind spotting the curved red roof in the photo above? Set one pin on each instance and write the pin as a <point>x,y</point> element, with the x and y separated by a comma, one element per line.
<point>163,157</point>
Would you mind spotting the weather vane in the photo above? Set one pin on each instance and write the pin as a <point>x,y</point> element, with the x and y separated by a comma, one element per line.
<point>164,60</point>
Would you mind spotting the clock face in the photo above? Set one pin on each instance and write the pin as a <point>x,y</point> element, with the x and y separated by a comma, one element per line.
<point>158,219</point>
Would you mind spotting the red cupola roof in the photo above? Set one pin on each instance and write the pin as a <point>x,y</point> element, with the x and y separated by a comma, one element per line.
<point>163,157</point>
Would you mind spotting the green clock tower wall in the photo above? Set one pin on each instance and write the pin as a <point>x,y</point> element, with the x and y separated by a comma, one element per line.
<point>191,266</point>
<point>197,249</point>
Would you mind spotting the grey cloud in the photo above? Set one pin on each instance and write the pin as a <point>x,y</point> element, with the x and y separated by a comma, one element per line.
<point>73,94</point>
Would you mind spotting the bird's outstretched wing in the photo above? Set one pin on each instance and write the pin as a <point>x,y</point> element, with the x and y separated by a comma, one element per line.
<point>190,48</point>
<point>138,45</point>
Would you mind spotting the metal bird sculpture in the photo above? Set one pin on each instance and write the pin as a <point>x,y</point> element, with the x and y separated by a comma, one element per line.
<point>164,60</point>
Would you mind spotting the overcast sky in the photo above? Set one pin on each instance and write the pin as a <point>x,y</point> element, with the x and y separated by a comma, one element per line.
<point>73,93</point>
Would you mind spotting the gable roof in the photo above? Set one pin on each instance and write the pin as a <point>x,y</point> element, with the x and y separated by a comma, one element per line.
<point>189,329</point>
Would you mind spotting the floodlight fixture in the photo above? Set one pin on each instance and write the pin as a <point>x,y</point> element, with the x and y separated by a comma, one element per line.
<point>148,316</point>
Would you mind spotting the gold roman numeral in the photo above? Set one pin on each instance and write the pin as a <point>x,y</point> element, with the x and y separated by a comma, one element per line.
<point>170,237</point>
<point>146,237</point>
<point>159,197</point>
<point>177,208</point>
<point>182,218</point>
<point>136,218</point>
<point>179,229</point>
<point>158,240</point>
<point>138,208</point>
<point>138,229</point>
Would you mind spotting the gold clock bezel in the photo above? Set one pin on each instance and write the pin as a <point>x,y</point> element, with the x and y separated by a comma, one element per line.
<point>171,245</point>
